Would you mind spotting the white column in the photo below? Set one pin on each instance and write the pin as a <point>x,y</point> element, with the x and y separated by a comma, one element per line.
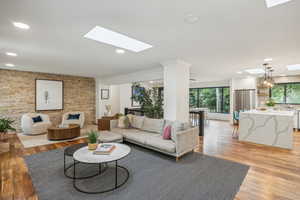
<point>176,90</point>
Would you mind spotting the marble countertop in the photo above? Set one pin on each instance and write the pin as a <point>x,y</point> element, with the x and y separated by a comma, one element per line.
<point>270,112</point>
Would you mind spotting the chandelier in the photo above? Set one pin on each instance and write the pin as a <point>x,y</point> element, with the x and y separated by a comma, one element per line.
<point>268,78</point>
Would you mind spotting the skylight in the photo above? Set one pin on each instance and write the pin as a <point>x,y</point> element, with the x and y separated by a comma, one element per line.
<point>255,71</point>
<point>110,37</point>
<point>272,3</point>
<point>293,67</point>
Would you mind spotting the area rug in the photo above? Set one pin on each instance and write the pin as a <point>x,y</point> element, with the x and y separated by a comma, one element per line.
<point>153,176</point>
<point>38,140</point>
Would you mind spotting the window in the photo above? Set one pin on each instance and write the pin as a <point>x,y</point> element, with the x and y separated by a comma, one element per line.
<point>215,99</point>
<point>286,93</point>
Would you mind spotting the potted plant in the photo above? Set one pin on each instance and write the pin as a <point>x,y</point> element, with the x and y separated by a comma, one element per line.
<point>5,126</point>
<point>92,140</point>
<point>270,102</point>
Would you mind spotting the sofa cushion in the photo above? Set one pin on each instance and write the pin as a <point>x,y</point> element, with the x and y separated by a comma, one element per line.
<point>156,141</point>
<point>153,125</point>
<point>136,136</point>
<point>137,121</point>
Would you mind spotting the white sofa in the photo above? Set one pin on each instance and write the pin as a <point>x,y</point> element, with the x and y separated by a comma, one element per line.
<point>31,128</point>
<point>66,121</point>
<point>147,132</point>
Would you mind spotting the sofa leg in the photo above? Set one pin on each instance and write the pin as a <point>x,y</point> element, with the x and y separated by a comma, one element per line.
<point>177,159</point>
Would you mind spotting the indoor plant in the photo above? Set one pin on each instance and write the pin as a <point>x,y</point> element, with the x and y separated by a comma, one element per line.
<point>6,125</point>
<point>270,102</point>
<point>92,140</point>
<point>150,100</point>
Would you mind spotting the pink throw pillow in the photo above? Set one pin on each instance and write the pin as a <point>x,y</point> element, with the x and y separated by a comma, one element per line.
<point>167,133</point>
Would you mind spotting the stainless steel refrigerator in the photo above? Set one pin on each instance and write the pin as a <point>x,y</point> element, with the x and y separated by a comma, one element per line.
<point>244,100</point>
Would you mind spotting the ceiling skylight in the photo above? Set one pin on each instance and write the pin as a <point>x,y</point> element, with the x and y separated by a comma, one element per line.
<point>293,67</point>
<point>255,71</point>
<point>272,3</point>
<point>116,39</point>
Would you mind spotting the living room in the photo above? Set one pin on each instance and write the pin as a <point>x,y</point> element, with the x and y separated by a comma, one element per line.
<point>105,100</point>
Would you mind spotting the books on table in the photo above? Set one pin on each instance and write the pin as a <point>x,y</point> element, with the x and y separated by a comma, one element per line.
<point>104,149</point>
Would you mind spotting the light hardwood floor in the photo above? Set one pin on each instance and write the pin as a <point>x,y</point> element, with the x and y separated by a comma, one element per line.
<point>274,173</point>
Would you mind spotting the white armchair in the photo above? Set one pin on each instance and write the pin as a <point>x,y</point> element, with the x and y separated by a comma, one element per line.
<point>66,121</point>
<point>31,128</point>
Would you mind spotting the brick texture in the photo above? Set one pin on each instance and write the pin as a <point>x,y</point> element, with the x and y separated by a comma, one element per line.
<point>17,95</point>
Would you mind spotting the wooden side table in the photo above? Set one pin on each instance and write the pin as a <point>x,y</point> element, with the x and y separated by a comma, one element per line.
<point>104,123</point>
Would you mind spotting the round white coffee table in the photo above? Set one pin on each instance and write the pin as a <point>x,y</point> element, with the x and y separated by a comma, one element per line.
<point>83,155</point>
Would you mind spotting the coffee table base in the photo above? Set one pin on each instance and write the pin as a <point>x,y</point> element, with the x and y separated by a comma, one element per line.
<point>100,171</point>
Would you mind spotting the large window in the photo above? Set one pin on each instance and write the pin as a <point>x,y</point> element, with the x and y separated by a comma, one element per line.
<point>286,93</point>
<point>215,99</point>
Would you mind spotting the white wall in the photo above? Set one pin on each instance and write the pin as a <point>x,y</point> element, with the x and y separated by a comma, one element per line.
<point>125,96</point>
<point>114,99</point>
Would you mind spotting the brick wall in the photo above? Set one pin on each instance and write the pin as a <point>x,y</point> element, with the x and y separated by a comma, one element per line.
<point>17,95</point>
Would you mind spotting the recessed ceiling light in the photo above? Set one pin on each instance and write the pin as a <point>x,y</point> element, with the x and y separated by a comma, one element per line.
<point>293,67</point>
<point>21,25</point>
<point>255,71</point>
<point>113,38</point>
<point>191,19</point>
<point>240,72</point>
<point>271,3</point>
<point>9,65</point>
<point>151,82</point>
<point>268,59</point>
<point>11,54</point>
<point>120,51</point>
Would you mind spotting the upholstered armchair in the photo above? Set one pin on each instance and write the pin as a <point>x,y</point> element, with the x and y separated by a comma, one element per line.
<point>30,128</point>
<point>67,119</point>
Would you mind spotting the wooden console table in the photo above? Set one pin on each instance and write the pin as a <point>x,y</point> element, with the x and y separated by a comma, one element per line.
<point>104,123</point>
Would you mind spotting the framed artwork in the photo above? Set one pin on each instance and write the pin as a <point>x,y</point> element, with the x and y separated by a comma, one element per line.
<point>49,95</point>
<point>104,93</point>
<point>135,90</point>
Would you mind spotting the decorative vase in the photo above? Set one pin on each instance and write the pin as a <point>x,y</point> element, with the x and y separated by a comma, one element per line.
<point>92,146</point>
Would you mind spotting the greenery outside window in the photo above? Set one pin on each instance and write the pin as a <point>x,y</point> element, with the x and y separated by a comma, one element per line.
<point>216,99</point>
<point>286,93</point>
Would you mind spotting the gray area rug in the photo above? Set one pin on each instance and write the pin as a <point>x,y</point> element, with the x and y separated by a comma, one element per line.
<point>153,176</point>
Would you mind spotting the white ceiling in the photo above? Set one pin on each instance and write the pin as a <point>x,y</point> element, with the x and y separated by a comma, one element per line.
<point>230,35</point>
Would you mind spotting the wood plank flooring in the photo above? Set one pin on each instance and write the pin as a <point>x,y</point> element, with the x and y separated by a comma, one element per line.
<point>274,173</point>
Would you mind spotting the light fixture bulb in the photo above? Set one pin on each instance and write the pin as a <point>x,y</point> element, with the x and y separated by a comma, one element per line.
<point>21,25</point>
<point>9,65</point>
<point>120,51</point>
<point>11,54</point>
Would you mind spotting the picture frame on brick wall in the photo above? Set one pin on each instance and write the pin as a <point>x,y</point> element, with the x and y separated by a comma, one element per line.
<point>49,95</point>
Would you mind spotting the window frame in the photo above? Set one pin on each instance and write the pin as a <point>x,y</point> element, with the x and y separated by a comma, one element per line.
<point>284,93</point>
<point>222,97</point>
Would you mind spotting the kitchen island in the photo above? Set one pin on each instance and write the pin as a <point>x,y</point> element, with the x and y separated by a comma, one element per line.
<point>273,128</point>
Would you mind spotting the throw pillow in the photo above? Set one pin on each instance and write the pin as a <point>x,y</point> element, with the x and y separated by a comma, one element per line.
<point>73,116</point>
<point>123,122</point>
<point>167,133</point>
<point>137,121</point>
<point>130,117</point>
<point>37,119</point>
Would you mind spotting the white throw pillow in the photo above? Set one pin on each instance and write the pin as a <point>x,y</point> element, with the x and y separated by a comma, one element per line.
<point>153,125</point>
<point>122,122</point>
<point>137,121</point>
